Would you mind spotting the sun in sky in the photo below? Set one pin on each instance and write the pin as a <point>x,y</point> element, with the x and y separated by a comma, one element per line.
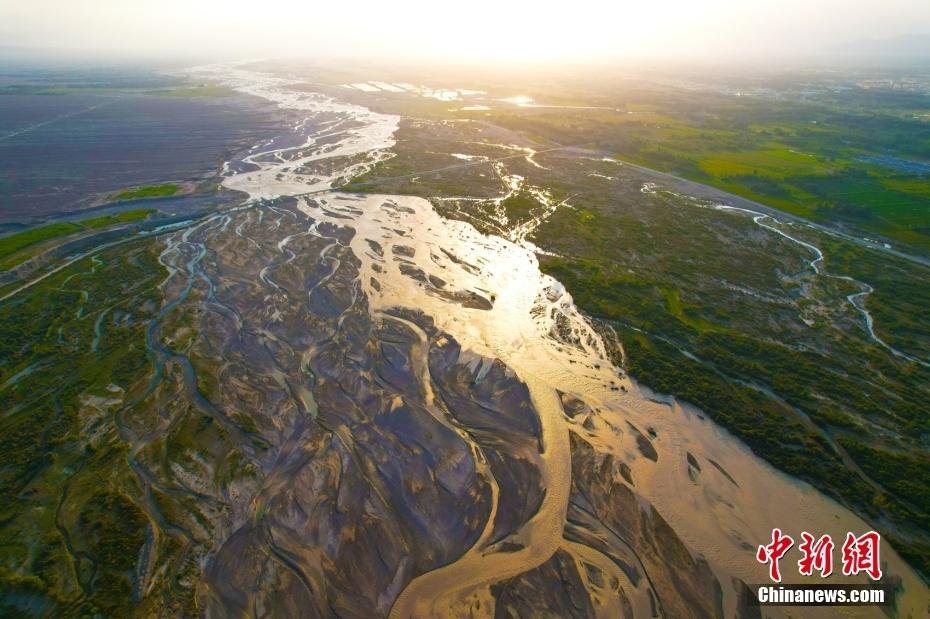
<point>483,30</point>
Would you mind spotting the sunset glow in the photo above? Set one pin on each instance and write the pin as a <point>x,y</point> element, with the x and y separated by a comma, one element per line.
<point>480,30</point>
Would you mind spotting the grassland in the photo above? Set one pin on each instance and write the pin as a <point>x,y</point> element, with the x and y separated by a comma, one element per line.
<point>117,218</point>
<point>165,190</point>
<point>13,245</point>
<point>19,247</point>
<point>807,159</point>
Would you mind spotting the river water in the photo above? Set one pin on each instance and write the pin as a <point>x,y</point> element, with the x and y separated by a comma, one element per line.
<point>721,510</point>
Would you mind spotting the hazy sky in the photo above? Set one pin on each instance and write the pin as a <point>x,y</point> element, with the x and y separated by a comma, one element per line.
<point>468,29</point>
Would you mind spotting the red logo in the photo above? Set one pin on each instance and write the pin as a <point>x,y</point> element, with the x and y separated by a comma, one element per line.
<point>773,553</point>
<point>860,554</point>
<point>817,555</point>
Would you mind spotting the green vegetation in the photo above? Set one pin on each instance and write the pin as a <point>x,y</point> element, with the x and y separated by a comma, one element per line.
<point>116,218</point>
<point>151,191</point>
<point>799,394</point>
<point>752,364</point>
<point>900,303</point>
<point>519,206</point>
<point>860,159</point>
<point>726,315</point>
<point>107,447</point>
<point>72,352</point>
<point>12,245</point>
<point>833,165</point>
<point>19,247</point>
<point>114,530</point>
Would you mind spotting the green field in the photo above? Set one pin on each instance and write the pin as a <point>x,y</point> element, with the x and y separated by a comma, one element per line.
<point>774,161</point>
<point>150,191</point>
<point>16,248</point>
<point>15,243</point>
<point>118,218</point>
<point>806,158</point>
